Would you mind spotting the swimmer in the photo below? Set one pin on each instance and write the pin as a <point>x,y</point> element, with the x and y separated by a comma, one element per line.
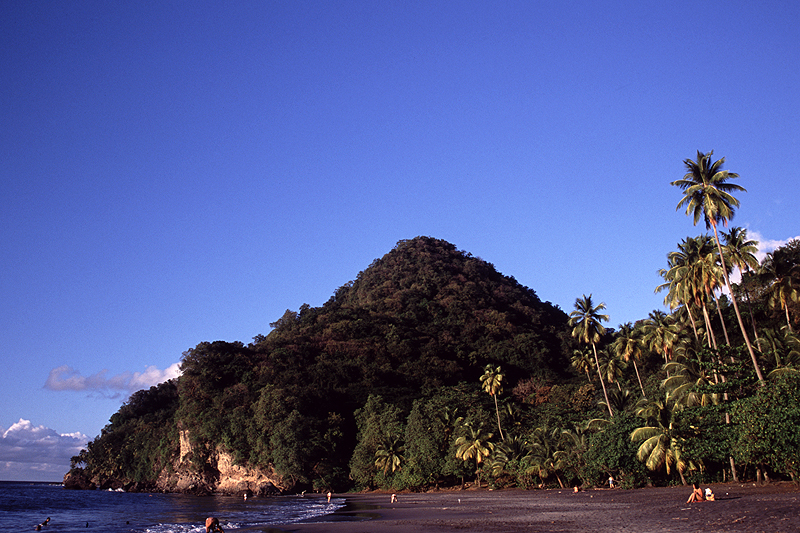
<point>329,497</point>
<point>212,525</point>
<point>394,498</point>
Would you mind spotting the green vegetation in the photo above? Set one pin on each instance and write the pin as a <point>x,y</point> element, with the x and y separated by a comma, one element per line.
<point>397,381</point>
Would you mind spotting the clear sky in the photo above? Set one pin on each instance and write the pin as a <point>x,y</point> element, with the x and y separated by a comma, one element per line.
<point>185,171</point>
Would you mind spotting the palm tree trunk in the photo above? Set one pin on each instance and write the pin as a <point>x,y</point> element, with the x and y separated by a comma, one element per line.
<point>605,393</point>
<point>496,408</point>
<point>736,308</point>
<point>691,319</point>
<point>788,322</point>
<point>708,326</point>
<point>733,471</point>
<point>722,320</point>
<point>639,378</point>
<point>750,307</point>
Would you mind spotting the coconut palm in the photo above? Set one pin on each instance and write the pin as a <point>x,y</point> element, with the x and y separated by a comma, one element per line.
<point>690,278</point>
<point>612,366</point>
<point>389,454</point>
<point>686,379</point>
<point>628,346</point>
<point>621,400</point>
<point>707,195</point>
<point>492,380</point>
<point>659,333</point>
<point>513,449</point>
<point>785,347</point>
<point>586,327</point>
<point>582,361</point>
<point>574,443</point>
<point>474,445</point>
<point>741,255</point>
<point>783,277</point>
<point>661,447</point>
<point>705,274</point>
<point>681,292</point>
<point>547,456</point>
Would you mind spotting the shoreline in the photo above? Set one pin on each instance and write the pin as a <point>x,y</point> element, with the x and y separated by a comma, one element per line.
<point>739,507</point>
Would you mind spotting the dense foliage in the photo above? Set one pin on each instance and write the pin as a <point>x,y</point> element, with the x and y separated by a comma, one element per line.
<point>412,327</point>
<point>431,368</point>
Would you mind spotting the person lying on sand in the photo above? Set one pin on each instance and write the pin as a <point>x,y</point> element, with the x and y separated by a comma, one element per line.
<point>212,525</point>
<point>697,494</point>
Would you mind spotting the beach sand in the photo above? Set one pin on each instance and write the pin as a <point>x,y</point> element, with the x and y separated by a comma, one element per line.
<point>739,507</point>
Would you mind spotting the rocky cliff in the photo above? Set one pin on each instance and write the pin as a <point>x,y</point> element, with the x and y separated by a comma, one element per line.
<point>218,475</point>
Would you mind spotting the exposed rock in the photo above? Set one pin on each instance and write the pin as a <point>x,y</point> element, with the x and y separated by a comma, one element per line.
<point>218,474</point>
<point>77,480</point>
<point>236,479</point>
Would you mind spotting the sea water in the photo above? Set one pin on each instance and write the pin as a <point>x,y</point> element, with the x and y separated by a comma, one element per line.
<point>24,505</point>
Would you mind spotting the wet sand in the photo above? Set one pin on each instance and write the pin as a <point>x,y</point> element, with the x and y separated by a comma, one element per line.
<point>739,507</point>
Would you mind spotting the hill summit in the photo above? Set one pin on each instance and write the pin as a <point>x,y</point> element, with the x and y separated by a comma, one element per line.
<point>420,321</point>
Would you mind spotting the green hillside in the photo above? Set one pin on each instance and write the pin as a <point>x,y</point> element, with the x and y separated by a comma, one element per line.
<point>415,324</point>
<point>433,369</point>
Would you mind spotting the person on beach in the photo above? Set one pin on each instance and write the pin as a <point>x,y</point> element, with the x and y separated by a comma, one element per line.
<point>212,525</point>
<point>610,482</point>
<point>394,498</point>
<point>329,497</point>
<point>697,494</point>
<point>710,495</point>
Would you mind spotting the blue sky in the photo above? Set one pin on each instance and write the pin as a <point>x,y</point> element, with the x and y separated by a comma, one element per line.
<point>178,172</point>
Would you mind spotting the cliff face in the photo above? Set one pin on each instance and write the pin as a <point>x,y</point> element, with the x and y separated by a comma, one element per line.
<point>219,475</point>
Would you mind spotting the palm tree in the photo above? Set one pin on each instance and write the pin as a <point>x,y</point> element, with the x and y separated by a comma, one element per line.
<point>621,400</point>
<point>389,454</point>
<point>613,366</point>
<point>586,327</point>
<point>686,378</point>
<point>781,273</point>
<point>474,445</point>
<point>786,350</point>
<point>513,449</point>
<point>690,278</point>
<point>741,254</point>
<point>547,457</point>
<point>681,291</point>
<point>628,346</point>
<point>574,442</point>
<point>707,195</point>
<point>582,361</point>
<point>492,380</point>
<point>659,333</point>
<point>661,447</point>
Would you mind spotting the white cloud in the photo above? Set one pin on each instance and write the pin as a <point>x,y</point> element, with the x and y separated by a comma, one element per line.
<point>67,378</point>
<point>766,246</point>
<point>37,453</point>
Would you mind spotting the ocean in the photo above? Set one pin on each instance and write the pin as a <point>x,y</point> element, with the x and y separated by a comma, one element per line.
<point>24,505</point>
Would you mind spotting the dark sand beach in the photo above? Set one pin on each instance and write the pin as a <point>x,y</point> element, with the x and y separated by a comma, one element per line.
<point>739,507</point>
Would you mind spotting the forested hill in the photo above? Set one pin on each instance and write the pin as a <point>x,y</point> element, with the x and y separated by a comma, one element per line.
<point>425,315</point>
<point>413,325</point>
